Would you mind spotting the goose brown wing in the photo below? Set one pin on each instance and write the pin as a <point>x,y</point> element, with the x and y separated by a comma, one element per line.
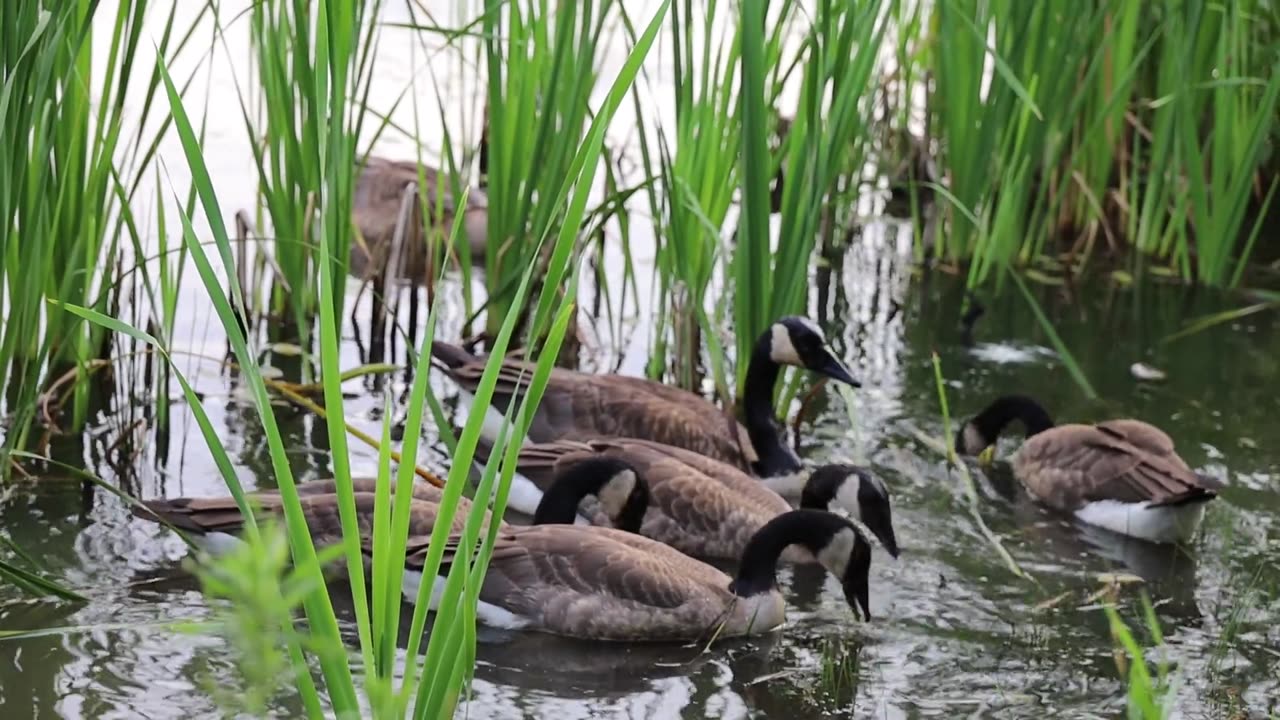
<point>580,405</point>
<point>1075,464</point>
<point>583,581</point>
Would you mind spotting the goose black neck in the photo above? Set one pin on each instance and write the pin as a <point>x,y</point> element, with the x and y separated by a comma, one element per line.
<point>758,571</point>
<point>559,504</point>
<point>1035,419</point>
<point>775,458</point>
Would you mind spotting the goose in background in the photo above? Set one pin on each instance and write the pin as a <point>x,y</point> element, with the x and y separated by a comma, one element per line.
<point>581,406</point>
<point>376,209</point>
<point>1121,475</point>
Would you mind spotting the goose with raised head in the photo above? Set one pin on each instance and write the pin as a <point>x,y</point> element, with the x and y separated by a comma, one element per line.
<point>579,405</point>
<point>605,584</point>
<point>214,524</point>
<point>697,505</point>
<point>1121,475</point>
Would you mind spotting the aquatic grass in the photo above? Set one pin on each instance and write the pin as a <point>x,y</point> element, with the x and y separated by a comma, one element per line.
<point>540,64</point>
<point>66,143</point>
<point>828,139</point>
<point>446,666</point>
<point>1142,124</point>
<point>313,62</point>
<point>1148,698</point>
<point>970,488</point>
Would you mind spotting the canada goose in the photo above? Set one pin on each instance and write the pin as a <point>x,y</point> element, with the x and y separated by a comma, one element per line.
<point>376,209</point>
<point>700,506</point>
<point>214,523</point>
<point>1121,475</point>
<point>604,584</point>
<point>582,405</point>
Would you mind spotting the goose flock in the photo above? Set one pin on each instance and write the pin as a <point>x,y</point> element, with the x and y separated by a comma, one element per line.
<point>632,485</point>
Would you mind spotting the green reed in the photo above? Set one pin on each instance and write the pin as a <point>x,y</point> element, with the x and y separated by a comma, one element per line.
<point>540,60</point>
<point>431,686</point>
<point>1094,125</point>
<point>72,157</point>
<point>1147,697</point>
<point>314,63</point>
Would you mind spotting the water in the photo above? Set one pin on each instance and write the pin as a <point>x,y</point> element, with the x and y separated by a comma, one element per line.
<point>955,632</point>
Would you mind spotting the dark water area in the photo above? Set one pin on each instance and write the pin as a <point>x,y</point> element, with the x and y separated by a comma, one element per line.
<point>955,632</point>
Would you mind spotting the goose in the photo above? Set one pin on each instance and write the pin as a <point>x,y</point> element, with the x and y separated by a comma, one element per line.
<point>700,506</point>
<point>589,582</point>
<point>376,205</point>
<point>579,405</point>
<point>214,524</point>
<point>602,583</point>
<point>1121,475</point>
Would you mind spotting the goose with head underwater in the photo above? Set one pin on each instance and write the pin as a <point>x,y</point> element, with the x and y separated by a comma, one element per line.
<point>700,506</point>
<point>214,524</point>
<point>582,581</point>
<point>579,405</point>
<point>1121,475</point>
<point>603,583</point>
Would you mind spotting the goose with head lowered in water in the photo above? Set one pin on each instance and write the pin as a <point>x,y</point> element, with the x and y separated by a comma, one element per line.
<point>700,506</point>
<point>583,581</point>
<point>580,406</point>
<point>1121,475</point>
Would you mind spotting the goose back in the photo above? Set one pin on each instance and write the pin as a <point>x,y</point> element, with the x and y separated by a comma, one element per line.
<point>609,585</point>
<point>1126,461</point>
<point>581,405</point>
<point>697,505</point>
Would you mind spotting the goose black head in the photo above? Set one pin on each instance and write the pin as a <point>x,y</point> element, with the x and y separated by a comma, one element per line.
<point>833,540</point>
<point>623,495</point>
<point>859,493</point>
<point>982,431</point>
<point>847,555</point>
<point>798,341</point>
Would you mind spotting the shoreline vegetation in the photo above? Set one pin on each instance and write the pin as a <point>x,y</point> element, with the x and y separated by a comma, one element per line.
<point>1025,143</point>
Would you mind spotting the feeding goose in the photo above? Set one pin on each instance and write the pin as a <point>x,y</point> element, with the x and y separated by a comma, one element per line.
<point>1122,475</point>
<point>214,524</point>
<point>584,581</point>
<point>605,584</point>
<point>700,506</point>
<point>581,405</point>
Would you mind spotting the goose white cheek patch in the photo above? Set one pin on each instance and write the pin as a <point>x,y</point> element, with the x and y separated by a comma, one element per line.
<point>781,349</point>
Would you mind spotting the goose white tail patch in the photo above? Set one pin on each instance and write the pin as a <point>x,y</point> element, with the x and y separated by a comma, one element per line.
<point>487,613</point>
<point>524,496</point>
<point>788,486</point>
<point>1162,524</point>
<point>491,426</point>
<point>217,544</point>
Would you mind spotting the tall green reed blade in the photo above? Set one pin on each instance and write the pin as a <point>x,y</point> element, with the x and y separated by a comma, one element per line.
<point>445,648</point>
<point>541,70</point>
<point>319,609</point>
<point>58,171</point>
<point>307,160</point>
<point>751,255</point>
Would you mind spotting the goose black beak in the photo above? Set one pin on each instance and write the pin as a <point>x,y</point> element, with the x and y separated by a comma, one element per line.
<point>834,368</point>
<point>889,541</point>
<point>857,593</point>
